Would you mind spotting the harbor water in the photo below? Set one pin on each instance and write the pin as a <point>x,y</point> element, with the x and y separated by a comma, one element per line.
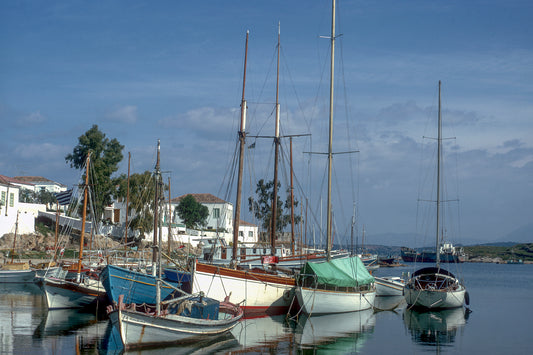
<point>501,305</point>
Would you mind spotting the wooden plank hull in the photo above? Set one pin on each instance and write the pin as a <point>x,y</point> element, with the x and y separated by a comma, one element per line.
<point>260,293</point>
<point>61,294</point>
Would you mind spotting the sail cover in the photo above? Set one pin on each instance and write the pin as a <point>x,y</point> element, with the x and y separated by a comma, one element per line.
<point>343,272</point>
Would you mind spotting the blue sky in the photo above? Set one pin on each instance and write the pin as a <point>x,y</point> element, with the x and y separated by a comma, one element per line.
<point>169,70</point>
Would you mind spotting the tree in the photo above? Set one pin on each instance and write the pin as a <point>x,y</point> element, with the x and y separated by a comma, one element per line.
<point>192,213</point>
<point>262,206</point>
<point>27,196</point>
<point>106,154</point>
<point>141,200</point>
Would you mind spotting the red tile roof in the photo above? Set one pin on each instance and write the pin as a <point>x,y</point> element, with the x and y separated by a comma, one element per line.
<point>201,198</point>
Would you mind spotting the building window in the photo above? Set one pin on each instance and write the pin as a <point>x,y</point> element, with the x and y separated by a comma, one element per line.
<point>251,234</point>
<point>11,199</point>
<point>3,198</point>
<point>241,234</point>
<point>216,212</point>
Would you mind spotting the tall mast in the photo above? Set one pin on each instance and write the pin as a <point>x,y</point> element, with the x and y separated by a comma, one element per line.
<point>156,212</point>
<point>169,241</point>
<point>84,215</point>
<point>292,202</point>
<point>330,145</point>
<point>15,238</point>
<point>439,153</point>
<point>242,139</point>
<point>57,230</point>
<point>276,158</point>
<point>127,203</point>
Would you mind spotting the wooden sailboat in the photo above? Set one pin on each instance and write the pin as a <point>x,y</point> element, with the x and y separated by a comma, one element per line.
<point>136,286</point>
<point>177,320</point>
<point>12,271</point>
<point>338,285</point>
<point>261,292</point>
<point>82,292</point>
<point>435,287</point>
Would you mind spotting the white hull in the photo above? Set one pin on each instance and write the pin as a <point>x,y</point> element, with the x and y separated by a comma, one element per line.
<point>316,301</point>
<point>389,286</point>
<point>139,330</point>
<point>435,299</point>
<point>61,294</point>
<point>260,294</point>
<point>16,276</point>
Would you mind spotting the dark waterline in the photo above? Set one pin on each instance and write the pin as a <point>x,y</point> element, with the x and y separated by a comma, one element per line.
<point>500,323</point>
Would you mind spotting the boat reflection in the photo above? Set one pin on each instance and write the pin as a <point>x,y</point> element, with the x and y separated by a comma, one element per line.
<point>255,334</point>
<point>434,328</point>
<point>63,322</point>
<point>335,332</point>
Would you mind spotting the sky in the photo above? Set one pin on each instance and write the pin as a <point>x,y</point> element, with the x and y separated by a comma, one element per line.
<point>173,70</point>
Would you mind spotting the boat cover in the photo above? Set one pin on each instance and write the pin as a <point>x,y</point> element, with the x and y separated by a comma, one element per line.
<point>343,272</point>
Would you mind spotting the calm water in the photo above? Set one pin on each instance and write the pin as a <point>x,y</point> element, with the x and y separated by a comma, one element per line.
<point>501,300</point>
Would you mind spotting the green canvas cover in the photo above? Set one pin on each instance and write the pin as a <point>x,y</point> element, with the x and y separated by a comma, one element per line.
<point>343,272</point>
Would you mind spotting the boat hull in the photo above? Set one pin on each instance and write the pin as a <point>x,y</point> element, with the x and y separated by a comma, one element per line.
<point>386,287</point>
<point>261,294</point>
<point>317,301</point>
<point>435,299</point>
<point>16,276</point>
<point>61,294</point>
<point>136,287</point>
<point>141,330</point>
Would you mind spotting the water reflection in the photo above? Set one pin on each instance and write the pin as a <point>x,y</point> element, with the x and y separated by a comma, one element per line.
<point>388,303</point>
<point>335,332</point>
<point>434,328</point>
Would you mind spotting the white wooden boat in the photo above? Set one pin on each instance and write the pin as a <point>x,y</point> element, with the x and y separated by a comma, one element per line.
<point>259,293</point>
<point>16,273</point>
<point>63,294</point>
<point>389,286</point>
<point>140,326</point>
<point>435,287</point>
<point>337,286</point>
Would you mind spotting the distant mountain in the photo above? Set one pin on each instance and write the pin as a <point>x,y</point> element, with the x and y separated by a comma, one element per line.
<point>522,234</point>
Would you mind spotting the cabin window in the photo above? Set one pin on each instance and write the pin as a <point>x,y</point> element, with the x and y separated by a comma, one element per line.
<point>255,251</point>
<point>216,212</point>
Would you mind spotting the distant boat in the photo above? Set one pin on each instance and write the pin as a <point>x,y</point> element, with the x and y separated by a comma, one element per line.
<point>435,287</point>
<point>448,254</point>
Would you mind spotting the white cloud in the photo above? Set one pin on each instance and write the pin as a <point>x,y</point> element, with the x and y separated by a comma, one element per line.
<point>126,114</point>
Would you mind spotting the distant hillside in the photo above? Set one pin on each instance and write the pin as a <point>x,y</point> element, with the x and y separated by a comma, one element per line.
<point>522,234</point>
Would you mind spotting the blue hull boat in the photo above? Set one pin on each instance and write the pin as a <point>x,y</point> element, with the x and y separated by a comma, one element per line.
<point>137,287</point>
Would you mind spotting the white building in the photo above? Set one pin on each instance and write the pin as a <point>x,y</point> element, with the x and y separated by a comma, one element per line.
<point>40,183</point>
<point>12,210</point>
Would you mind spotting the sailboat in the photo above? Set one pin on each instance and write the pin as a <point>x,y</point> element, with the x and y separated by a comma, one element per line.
<point>259,291</point>
<point>189,318</point>
<point>135,286</point>
<point>435,287</point>
<point>16,272</point>
<point>336,285</point>
<point>82,292</point>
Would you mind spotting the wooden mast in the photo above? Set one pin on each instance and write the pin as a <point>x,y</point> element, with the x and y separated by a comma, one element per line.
<point>330,145</point>
<point>84,215</point>
<point>276,158</point>
<point>156,212</point>
<point>127,203</point>
<point>15,238</point>
<point>439,153</point>
<point>242,140</point>
<point>292,201</point>
<point>56,231</point>
<point>169,239</point>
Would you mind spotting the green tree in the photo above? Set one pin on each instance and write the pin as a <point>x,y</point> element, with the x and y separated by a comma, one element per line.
<point>192,213</point>
<point>45,197</point>
<point>141,200</point>
<point>261,206</point>
<point>106,154</point>
<point>27,196</point>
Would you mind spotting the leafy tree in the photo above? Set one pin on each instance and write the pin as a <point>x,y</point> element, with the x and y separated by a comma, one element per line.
<point>192,213</point>
<point>141,200</point>
<point>45,197</point>
<point>26,196</point>
<point>106,154</point>
<point>261,207</point>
